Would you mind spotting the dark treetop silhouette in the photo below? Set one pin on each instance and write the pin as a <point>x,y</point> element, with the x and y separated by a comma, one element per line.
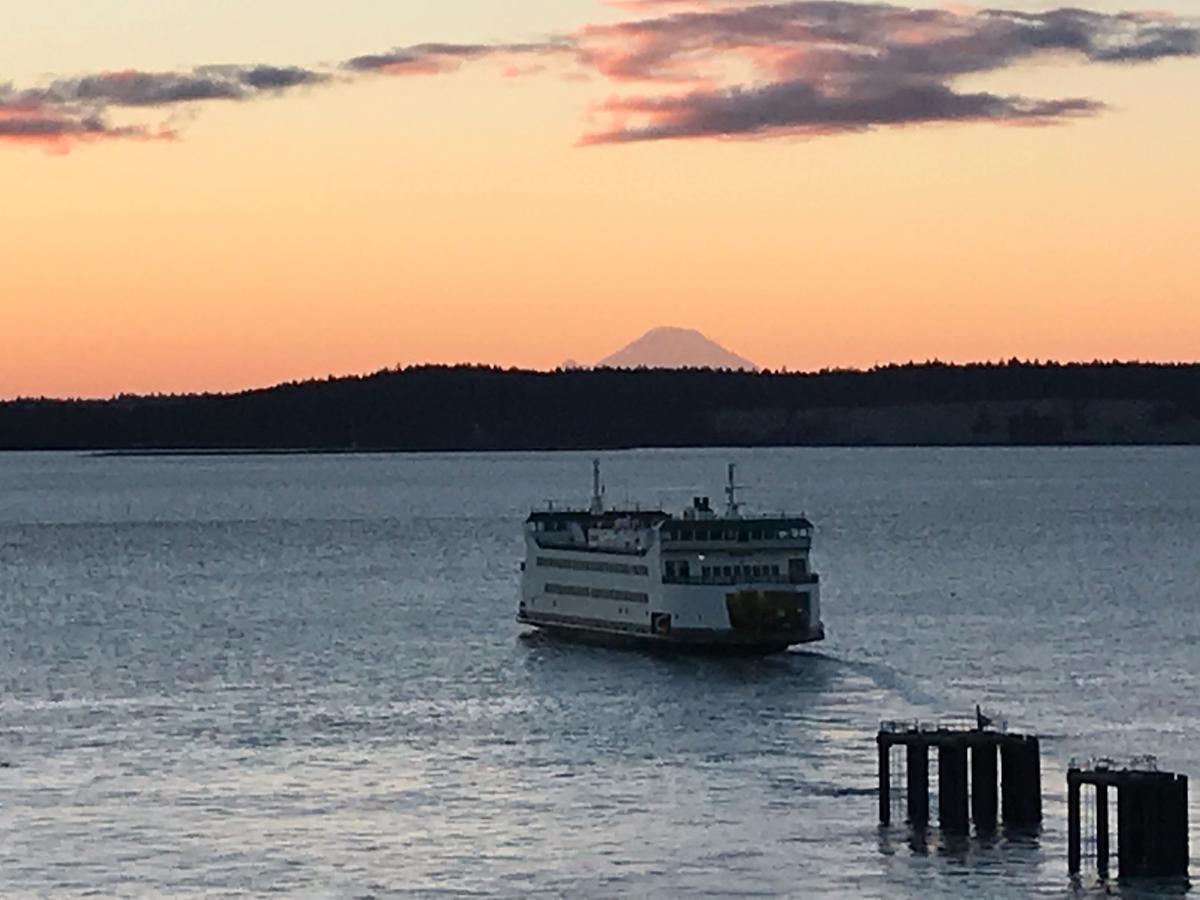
<point>480,408</point>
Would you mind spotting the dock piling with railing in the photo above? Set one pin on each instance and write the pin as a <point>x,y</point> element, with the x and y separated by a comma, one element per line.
<point>1151,816</point>
<point>1152,819</point>
<point>965,757</point>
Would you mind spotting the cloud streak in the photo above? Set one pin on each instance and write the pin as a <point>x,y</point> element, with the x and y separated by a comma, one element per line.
<point>688,69</point>
<point>151,89</point>
<point>74,110</point>
<point>58,129</point>
<point>435,59</point>
<point>801,108</point>
<point>821,68</point>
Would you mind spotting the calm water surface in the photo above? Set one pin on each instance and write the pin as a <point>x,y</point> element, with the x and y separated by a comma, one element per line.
<point>301,675</point>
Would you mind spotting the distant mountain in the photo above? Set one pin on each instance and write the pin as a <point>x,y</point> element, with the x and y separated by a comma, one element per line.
<point>675,348</point>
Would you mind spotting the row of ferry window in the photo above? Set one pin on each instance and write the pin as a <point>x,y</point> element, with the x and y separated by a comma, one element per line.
<point>734,534</point>
<point>710,572</point>
<point>572,590</point>
<point>589,565</point>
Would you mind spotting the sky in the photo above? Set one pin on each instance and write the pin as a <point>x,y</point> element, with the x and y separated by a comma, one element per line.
<point>209,195</point>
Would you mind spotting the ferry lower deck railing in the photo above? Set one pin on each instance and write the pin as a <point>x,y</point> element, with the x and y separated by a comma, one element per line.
<point>579,547</point>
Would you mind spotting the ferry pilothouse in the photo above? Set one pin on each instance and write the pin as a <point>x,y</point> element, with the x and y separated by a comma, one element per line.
<point>698,579</point>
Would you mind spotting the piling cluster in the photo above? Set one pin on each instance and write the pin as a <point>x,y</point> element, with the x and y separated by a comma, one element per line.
<point>1018,800</point>
<point>1152,819</point>
<point>1151,811</point>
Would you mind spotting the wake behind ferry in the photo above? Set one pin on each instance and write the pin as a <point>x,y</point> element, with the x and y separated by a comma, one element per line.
<point>702,580</point>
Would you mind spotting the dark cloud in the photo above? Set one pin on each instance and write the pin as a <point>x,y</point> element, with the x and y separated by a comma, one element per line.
<point>1098,37</point>
<point>420,59</point>
<point>831,66</point>
<point>800,108</point>
<point>135,88</point>
<point>75,109</point>
<point>56,129</point>
<point>852,37</point>
<point>432,59</point>
<point>37,126</point>
<point>277,78</point>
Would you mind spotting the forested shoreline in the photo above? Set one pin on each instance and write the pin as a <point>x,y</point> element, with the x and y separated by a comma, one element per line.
<point>484,408</point>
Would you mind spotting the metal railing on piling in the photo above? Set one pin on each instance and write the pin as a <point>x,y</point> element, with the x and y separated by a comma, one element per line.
<point>1020,786</point>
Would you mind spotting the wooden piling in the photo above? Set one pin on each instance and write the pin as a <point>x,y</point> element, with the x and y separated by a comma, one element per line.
<point>983,786</point>
<point>1009,782</point>
<point>1167,848</point>
<point>1073,829</point>
<point>1102,846</point>
<point>1033,781</point>
<point>1131,829</point>
<point>1159,799</point>
<point>917,766</point>
<point>952,788</point>
<point>1125,818</point>
<point>1182,853</point>
<point>1021,781</point>
<point>885,781</point>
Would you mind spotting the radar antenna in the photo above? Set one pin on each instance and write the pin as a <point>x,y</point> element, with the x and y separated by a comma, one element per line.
<point>731,504</point>
<point>597,506</point>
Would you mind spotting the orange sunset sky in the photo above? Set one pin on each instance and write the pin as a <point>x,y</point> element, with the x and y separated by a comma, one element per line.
<point>217,195</point>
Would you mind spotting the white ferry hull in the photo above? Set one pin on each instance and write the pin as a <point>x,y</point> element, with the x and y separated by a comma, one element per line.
<point>639,608</point>
<point>706,640</point>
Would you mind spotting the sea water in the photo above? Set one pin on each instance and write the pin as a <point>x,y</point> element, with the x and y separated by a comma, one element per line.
<point>302,675</point>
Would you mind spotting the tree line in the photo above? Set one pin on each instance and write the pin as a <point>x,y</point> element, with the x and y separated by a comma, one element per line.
<point>488,408</point>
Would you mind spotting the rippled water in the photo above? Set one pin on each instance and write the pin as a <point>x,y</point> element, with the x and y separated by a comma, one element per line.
<point>302,674</point>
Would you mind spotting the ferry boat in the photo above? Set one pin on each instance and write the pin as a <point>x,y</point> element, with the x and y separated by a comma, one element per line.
<point>698,579</point>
